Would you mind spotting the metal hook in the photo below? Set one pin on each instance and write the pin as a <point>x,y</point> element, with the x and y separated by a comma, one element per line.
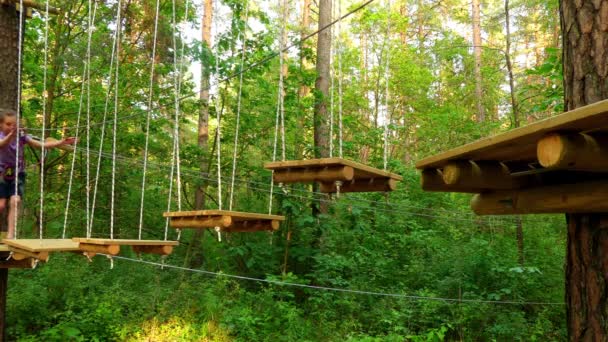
<point>35,263</point>
<point>111,261</point>
<point>10,255</point>
<point>89,258</point>
<point>284,188</point>
<point>179,234</point>
<point>163,258</point>
<point>219,233</point>
<point>338,186</point>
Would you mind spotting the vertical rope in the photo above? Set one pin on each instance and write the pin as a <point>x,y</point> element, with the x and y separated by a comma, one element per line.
<point>387,76</point>
<point>86,75</point>
<point>101,139</point>
<point>18,138</point>
<point>44,99</point>
<point>279,101</point>
<point>218,131</point>
<point>339,76</point>
<point>116,91</point>
<point>238,106</point>
<point>150,102</point>
<point>282,83</point>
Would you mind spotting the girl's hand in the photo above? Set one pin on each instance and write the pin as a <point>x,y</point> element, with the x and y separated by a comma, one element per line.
<point>69,141</point>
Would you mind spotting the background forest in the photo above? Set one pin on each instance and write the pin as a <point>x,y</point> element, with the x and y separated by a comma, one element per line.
<point>453,70</point>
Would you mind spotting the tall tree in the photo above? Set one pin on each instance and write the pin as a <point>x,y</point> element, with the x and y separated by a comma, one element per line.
<point>9,47</point>
<point>321,118</point>
<point>196,258</point>
<point>585,62</point>
<point>476,18</point>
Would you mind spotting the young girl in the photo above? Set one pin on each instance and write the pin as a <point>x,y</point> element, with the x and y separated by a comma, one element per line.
<point>9,166</point>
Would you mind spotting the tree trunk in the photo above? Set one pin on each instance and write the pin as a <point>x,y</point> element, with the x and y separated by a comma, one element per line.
<point>321,115</point>
<point>9,40</point>
<point>476,14</point>
<point>585,62</point>
<point>194,254</point>
<point>9,37</point>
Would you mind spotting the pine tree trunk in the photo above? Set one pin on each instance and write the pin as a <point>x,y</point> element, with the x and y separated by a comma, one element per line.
<point>9,40</point>
<point>476,18</point>
<point>321,115</point>
<point>194,255</point>
<point>9,37</point>
<point>585,62</point>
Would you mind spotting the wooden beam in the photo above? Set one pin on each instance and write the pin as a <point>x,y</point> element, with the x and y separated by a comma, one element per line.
<point>200,222</point>
<point>361,185</point>
<point>573,151</point>
<point>22,254</point>
<point>591,197</point>
<point>328,174</point>
<point>104,249</point>
<point>432,180</point>
<point>253,226</point>
<point>480,175</point>
<point>162,250</point>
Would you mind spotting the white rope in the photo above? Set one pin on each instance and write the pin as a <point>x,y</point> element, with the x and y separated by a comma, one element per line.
<point>343,290</point>
<point>387,76</point>
<point>339,76</point>
<point>18,132</point>
<point>86,76</point>
<point>280,109</point>
<point>218,131</point>
<point>282,83</point>
<point>170,187</point>
<point>44,99</point>
<point>116,91</point>
<point>243,39</point>
<point>103,131</point>
<point>150,100</point>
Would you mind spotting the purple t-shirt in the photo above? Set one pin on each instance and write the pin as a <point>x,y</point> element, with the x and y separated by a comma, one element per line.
<point>9,151</point>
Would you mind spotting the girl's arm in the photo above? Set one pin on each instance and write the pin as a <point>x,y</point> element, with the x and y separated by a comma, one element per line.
<point>4,141</point>
<point>51,143</point>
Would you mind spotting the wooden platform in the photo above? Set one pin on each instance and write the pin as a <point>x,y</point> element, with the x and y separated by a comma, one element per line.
<point>353,176</point>
<point>228,221</point>
<point>557,165</point>
<point>112,246</point>
<point>38,248</point>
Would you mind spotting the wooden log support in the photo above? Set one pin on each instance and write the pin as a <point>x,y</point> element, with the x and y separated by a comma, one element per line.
<point>361,185</point>
<point>253,226</point>
<point>201,222</point>
<point>23,263</point>
<point>161,250</point>
<point>432,180</point>
<point>575,151</point>
<point>591,197</point>
<point>325,174</point>
<point>103,249</point>
<point>22,254</point>
<point>480,174</point>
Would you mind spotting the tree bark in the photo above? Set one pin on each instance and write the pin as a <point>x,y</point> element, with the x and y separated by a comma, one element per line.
<point>9,97</point>
<point>476,18</point>
<point>9,37</point>
<point>321,115</point>
<point>585,62</point>
<point>194,253</point>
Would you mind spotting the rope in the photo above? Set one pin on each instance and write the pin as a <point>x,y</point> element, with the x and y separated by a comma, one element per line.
<point>238,106</point>
<point>218,131</point>
<point>331,88</point>
<point>116,90</point>
<point>342,290</point>
<point>44,97</point>
<point>280,112</point>
<point>339,29</point>
<point>18,132</point>
<point>150,99</point>
<point>86,76</point>
<point>387,76</point>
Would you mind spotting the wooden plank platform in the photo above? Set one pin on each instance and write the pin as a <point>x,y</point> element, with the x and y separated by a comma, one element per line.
<point>112,246</point>
<point>353,176</point>
<point>557,165</point>
<point>520,144</point>
<point>231,221</point>
<point>42,245</point>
